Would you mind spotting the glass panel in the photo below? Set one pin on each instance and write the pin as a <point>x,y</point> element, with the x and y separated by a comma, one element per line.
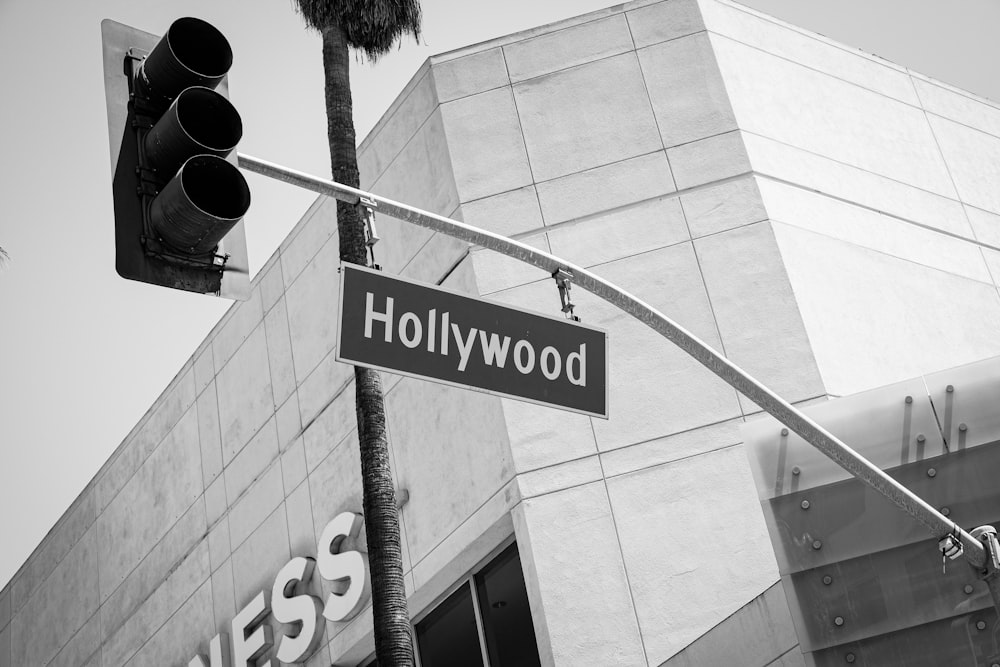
<point>448,636</point>
<point>832,523</point>
<point>879,424</point>
<point>503,603</point>
<point>970,639</point>
<point>968,412</point>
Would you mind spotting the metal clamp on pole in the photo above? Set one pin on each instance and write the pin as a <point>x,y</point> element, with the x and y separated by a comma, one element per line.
<point>951,547</point>
<point>366,209</point>
<point>563,278</point>
<point>990,572</point>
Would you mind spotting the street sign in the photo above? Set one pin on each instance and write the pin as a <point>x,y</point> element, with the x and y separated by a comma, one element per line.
<point>436,334</point>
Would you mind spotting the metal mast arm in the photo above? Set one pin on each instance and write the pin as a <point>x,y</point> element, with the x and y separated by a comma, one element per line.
<point>938,525</point>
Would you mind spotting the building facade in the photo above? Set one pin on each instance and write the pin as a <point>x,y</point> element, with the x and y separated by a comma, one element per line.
<point>826,219</point>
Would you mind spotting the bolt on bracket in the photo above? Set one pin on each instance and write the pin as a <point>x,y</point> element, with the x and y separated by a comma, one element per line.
<point>366,210</point>
<point>563,278</point>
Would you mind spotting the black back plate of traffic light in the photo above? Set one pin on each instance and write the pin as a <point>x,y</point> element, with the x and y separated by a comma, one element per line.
<point>131,261</point>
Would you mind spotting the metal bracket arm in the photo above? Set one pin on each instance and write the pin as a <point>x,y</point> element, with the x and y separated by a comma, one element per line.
<point>936,523</point>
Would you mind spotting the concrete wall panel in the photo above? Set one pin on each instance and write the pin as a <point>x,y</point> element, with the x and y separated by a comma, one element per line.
<point>4,607</point>
<point>272,284</point>
<point>957,105</point>
<point>335,484</point>
<point>254,506</point>
<point>722,556</point>
<point>159,420</point>
<point>662,21</point>
<point>870,229</point>
<point>397,126</point>
<point>220,547</point>
<point>60,606</point>
<point>223,599</point>
<point>569,125</point>
<point>182,635</point>
<point>209,434</point>
<point>258,559</point>
<point>252,460</point>
<point>313,329</point>
<point>143,622</point>
<point>843,181</point>
<point>686,89</point>
<point>973,159</point>
<point>337,419</point>
<point>204,366</point>
<point>773,36</point>
<point>289,421</point>
<point>244,394</point>
<point>756,311</point>
<point>317,226</point>
<point>509,213</point>
<point>985,225</point>
<point>627,231</point>
<point>542,436</point>
<point>293,465</point>
<point>452,453</point>
<point>873,319</point>
<point>482,125</point>
<point>825,115</point>
<point>496,272</point>
<point>566,539</point>
<point>155,567</point>
<point>240,321</point>
<point>672,448</point>
<point>605,188</point>
<point>468,75</point>
<point>656,389</point>
<point>53,549</point>
<point>568,47</point>
<point>157,495</point>
<point>709,160</point>
<point>5,650</point>
<point>421,175</point>
<point>760,633</point>
<point>279,352</point>
<point>721,207</point>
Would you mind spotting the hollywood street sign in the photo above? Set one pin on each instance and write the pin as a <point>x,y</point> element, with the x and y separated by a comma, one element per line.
<point>441,335</point>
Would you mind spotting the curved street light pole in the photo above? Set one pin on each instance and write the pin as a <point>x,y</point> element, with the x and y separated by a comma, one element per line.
<point>798,422</point>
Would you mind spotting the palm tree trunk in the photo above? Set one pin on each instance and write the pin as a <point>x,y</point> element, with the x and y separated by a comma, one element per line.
<point>393,645</point>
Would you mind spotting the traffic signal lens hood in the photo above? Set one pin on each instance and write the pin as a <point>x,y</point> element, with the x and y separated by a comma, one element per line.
<point>191,53</point>
<point>206,199</point>
<point>199,121</point>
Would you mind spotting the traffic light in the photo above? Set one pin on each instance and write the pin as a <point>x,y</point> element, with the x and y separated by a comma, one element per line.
<point>179,197</point>
<point>866,584</point>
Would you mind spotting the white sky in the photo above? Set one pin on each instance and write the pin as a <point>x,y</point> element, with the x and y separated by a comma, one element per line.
<point>84,353</point>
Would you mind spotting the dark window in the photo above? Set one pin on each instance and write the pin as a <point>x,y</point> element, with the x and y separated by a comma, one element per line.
<point>503,603</point>
<point>448,636</point>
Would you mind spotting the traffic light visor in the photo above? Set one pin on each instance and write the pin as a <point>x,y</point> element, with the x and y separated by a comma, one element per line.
<point>191,53</point>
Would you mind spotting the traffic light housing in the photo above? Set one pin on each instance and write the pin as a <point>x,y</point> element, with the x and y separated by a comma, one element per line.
<point>179,197</point>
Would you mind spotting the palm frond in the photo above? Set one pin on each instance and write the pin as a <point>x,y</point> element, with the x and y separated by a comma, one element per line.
<point>371,26</point>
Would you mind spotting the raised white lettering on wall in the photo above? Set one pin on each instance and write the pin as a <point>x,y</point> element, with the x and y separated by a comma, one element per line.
<point>349,567</point>
<point>290,604</point>
<point>250,638</point>
<point>218,653</point>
